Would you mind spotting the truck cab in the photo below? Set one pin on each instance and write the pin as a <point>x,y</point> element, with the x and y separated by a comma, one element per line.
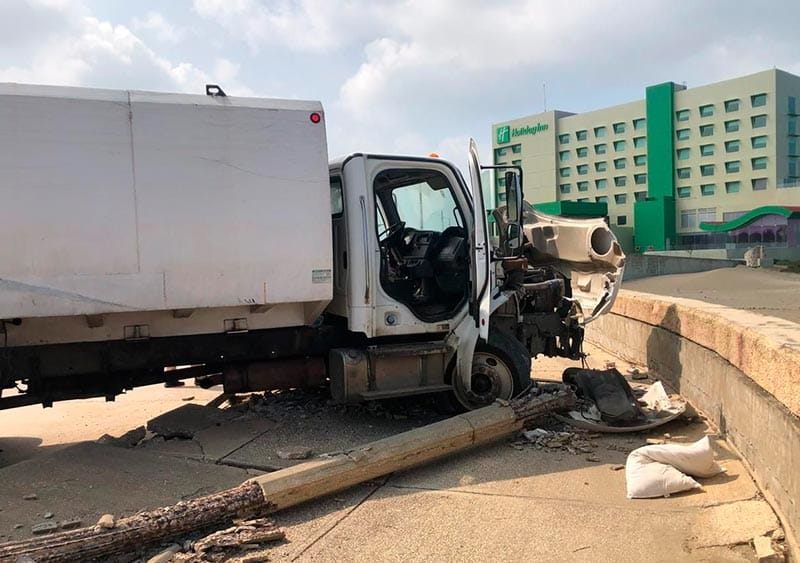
<point>445,307</point>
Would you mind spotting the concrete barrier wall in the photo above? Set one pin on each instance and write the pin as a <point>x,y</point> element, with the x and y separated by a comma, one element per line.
<point>648,265</point>
<point>740,369</point>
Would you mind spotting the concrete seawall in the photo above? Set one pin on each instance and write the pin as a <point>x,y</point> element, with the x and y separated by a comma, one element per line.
<point>646,265</point>
<point>740,369</point>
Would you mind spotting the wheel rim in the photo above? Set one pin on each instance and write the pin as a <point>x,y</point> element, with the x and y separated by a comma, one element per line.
<point>491,379</point>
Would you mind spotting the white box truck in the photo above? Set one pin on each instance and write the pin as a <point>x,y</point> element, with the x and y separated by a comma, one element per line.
<point>142,230</point>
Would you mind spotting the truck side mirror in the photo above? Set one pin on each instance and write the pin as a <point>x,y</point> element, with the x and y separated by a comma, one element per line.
<point>513,199</point>
<point>513,237</point>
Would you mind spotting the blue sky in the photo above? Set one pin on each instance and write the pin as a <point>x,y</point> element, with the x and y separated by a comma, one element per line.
<point>410,76</point>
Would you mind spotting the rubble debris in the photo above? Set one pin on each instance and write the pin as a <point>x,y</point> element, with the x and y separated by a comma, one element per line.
<point>617,467</point>
<point>296,452</point>
<point>778,534</point>
<point>187,399</point>
<point>48,515</point>
<point>70,524</point>
<point>167,555</point>
<point>106,522</point>
<point>608,364</point>
<point>44,528</point>
<point>31,496</point>
<point>764,550</point>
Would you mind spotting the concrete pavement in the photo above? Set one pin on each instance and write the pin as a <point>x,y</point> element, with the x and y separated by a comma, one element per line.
<point>505,502</point>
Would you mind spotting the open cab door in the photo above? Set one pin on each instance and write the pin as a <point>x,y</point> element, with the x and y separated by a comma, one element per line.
<point>480,276</point>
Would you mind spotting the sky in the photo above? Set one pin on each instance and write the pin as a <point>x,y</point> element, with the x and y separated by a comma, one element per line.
<point>410,76</point>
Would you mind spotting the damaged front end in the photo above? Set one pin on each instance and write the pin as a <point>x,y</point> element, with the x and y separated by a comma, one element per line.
<point>567,274</point>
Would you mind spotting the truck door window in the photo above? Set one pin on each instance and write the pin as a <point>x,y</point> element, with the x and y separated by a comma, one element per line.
<point>426,207</point>
<point>337,198</point>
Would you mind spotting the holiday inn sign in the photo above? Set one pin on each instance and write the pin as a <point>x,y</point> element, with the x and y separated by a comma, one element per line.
<point>505,132</point>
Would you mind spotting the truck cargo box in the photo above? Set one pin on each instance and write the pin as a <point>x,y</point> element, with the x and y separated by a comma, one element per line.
<point>125,202</point>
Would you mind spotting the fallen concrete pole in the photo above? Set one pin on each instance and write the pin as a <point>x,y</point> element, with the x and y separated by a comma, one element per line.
<point>281,489</point>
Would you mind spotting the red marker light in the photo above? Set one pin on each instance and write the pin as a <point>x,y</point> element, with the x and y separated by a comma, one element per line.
<point>315,117</point>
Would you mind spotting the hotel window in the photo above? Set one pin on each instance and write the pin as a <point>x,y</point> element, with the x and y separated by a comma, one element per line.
<point>601,199</point>
<point>706,130</point>
<point>563,156</point>
<point>732,187</point>
<point>639,142</point>
<point>684,173</point>
<point>682,115</point>
<point>516,162</point>
<point>564,172</point>
<point>792,109</point>
<point>758,100</point>
<point>619,128</point>
<point>731,146</point>
<point>619,181</point>
<point>706,150</point>
<point>500,152</point>
<point>501,181</point>
<point>619,163</point>
<point>581,135</point>
<point>791,123</point>
<point>732,166</point>
<point>600,131</point>
<point>516,149</point>
<point>564,188</point>
<point>759,142</point>
<point>689,219</point>
<point>684,192</point>
<point>732,126</point>
<point>601,166</point>
<point>793,168</point>
<point>619,146</point>
<point>563,138</point>
<point>758,121</point>
<point>622,220</point>
<point>684,154</point>
<point>759,163</point>
<point>640,179</point>
<point>792,147</point>
<point>582,169</point>
<point>682,134</point>
<point>707,170</point>
<point>707,110</point>
<point>600,149</point>
<point>601,184</point>
<point>707,189</point>
<point>582,151</point>
<point>640,196</point>
<point>582,199</point>
<point>758,184</point>
<point>732,105</point>
<point>620,199</point>
<point>639,124</point>
<point>706,215</point>
<point>583,186</point>
<point>640,159</point>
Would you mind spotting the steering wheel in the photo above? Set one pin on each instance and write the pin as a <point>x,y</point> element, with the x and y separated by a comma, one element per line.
<point>391,232</point>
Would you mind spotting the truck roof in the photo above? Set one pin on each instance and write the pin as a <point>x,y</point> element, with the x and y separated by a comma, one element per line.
<point>109,95</point>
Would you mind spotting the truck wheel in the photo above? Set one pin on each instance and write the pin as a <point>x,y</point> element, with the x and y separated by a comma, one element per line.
<point>501,369</point>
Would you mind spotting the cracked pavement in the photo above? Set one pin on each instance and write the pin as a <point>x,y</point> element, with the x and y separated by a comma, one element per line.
<point>503,502</point>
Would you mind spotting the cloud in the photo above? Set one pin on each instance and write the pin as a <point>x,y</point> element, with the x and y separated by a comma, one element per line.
<point>82,50</point>
<point>162,30</point>
<point>313,26</point>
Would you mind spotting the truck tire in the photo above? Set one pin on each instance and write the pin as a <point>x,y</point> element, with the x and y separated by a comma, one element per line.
<point>501,369</point>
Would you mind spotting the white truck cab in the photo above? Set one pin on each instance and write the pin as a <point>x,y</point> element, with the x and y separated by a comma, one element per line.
<point>143,231</point>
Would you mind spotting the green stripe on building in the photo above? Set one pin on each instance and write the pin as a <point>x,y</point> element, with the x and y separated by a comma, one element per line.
<point>654,218</point>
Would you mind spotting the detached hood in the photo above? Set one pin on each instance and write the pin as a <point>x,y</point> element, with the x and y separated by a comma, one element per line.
<point>584,250</point>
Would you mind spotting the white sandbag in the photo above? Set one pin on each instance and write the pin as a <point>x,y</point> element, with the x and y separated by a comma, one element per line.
<point>657,471</point>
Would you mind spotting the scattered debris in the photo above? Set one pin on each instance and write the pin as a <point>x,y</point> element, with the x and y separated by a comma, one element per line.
<point>48,515</point>
<point>167,555</point>
<point>127,440</point>
<point>106,521</point>
<point>592,458</point>
<point>44,528</point>
<point>608,364</point>
<point>778,534</point>
<point>297,452</point>
<point>617,467</point>
<point>18,526</point>
<point>70,524</point>
<point>633,370</point>
<point>764,551</point>
<point>189,398</point>
<point>32,496</point>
